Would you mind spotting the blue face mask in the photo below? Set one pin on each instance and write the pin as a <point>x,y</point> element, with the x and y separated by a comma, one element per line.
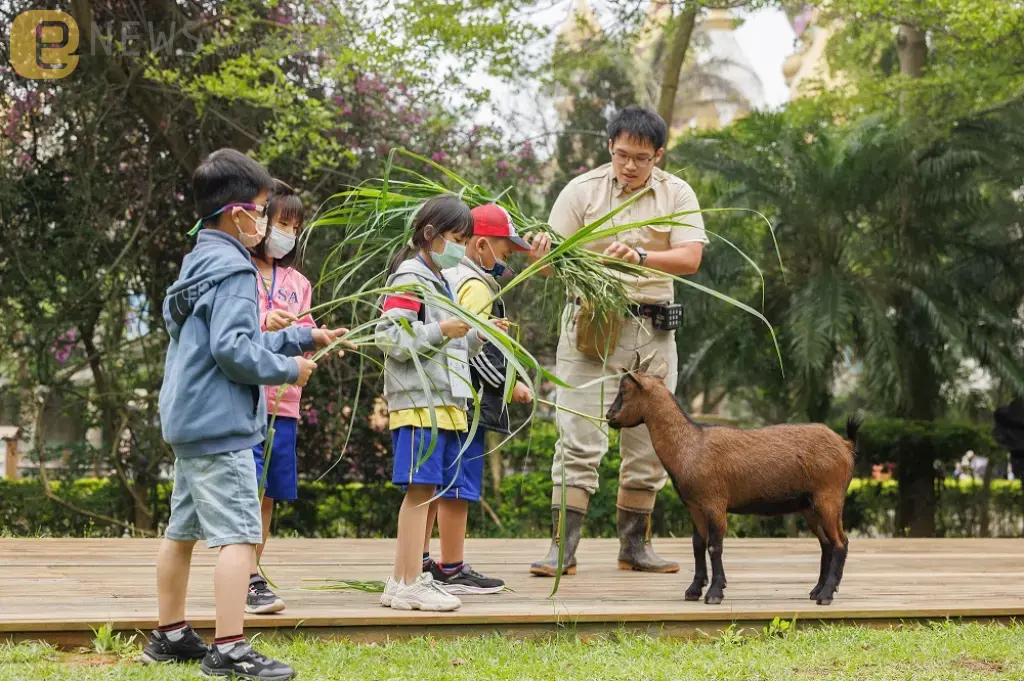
<point>498,268</point>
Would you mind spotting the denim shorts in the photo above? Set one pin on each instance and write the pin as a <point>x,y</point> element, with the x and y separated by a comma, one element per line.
<point>215,498</point>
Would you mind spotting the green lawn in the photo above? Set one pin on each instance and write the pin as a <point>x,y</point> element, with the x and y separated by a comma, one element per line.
<point>916,653</point>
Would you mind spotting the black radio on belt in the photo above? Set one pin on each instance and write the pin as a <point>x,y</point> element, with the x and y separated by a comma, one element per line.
<point>663,317</point>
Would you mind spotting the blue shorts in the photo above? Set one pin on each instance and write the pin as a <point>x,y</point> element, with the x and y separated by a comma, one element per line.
<point>444,468</point>
<point>283,474</point>
<point>215,498</point>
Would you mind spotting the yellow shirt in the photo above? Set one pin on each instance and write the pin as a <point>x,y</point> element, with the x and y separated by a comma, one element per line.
<point>448,418</point>
<point>474,295</point>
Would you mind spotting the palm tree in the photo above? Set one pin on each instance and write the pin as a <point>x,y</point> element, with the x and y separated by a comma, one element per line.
<point>911,299</point>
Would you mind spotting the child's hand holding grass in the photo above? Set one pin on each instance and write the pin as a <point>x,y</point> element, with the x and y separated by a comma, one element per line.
<point>323,337</point>
<point>454,328</point>
<point>279,319</point>
<point>306,367</point>
<point>521,393</point>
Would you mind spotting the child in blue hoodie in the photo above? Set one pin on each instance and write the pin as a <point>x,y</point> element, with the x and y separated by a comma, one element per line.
<point>213,412</point>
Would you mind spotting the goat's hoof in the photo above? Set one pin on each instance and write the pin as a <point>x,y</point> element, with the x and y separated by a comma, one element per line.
<point>814,593</point>
<point>824,601</point>
<point>692,595</point>
<point>713,599</point>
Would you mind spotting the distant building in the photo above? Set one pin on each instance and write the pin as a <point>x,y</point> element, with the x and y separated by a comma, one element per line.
<point>806,70</point>
<point>717,85</point>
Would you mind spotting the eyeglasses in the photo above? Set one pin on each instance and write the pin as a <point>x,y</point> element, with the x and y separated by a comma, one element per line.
<point>641,161</point>
<point>248,206</point>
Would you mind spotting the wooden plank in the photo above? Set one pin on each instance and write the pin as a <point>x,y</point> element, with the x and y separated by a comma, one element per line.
<point>59,589</point>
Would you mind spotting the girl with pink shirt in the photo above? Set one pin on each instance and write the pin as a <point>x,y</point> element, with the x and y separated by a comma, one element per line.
<point>283,294</point>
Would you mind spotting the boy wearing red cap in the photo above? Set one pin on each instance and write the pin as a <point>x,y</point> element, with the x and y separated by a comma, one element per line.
<point>475,282</point>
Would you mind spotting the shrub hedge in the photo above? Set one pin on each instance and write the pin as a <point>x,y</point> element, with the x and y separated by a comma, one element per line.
<point>369,510</point>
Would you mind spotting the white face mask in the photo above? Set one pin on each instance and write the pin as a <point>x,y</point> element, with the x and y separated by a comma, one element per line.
<point>279,244</point>
<point>251,240</point>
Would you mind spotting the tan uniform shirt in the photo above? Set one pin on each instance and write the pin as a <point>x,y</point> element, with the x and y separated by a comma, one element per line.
<point>594,194</point>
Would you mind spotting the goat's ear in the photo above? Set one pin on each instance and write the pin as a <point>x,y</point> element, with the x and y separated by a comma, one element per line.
<point>646,363</point>
<point>660,372</point>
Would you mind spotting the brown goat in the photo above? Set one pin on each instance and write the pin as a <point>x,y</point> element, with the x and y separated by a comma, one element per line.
<point>764,471</point>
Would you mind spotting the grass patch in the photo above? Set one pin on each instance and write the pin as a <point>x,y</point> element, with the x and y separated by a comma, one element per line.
<point>940,651</point>
<point>24,653</point>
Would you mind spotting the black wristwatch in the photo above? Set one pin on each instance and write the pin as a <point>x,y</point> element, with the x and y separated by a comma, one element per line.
<point>642,252</point>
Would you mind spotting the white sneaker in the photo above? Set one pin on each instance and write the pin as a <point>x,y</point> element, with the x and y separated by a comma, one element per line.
<point>424,594</point>
<point>391,587</point>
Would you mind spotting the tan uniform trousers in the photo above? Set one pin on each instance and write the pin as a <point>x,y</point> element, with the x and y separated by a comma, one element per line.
<point>581,442</point>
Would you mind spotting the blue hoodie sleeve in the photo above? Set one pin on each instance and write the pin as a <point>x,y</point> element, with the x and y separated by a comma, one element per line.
<point>295,340</point>
<point>235,337</point>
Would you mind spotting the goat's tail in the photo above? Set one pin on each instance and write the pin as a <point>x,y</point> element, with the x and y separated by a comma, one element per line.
<point>853,423</point>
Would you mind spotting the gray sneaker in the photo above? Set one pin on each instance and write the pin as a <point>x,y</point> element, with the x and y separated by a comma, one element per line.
<point>242,662</point>
<point>261,600</point>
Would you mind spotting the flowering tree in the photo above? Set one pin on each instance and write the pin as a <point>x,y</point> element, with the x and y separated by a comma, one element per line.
<point>95,167</point>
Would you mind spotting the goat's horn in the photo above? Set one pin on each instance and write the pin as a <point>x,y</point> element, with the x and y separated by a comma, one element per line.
<point>646,363</point>
<point>635,364</point>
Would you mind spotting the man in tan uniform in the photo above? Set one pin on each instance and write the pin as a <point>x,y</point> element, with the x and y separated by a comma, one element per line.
<point>636,141</point>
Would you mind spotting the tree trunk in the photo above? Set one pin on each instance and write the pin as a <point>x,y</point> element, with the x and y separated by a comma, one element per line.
<point>984,510</point>
<point>912,50</point>
<point>819,401</point>
<point>917,499</point>
<point>682,31</point>
<point>11,460</point>
<point>142,515</point>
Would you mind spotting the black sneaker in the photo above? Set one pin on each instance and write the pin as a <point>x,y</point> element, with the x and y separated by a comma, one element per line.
<point>189,648</point>
<point>261,600</point>
<point>244,663</point>
<point>465,581</point>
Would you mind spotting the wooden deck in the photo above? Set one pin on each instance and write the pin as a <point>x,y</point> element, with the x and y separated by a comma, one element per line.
<point>56,589</point>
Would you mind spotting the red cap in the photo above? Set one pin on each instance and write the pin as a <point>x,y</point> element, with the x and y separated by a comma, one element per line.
<point>493,220</point>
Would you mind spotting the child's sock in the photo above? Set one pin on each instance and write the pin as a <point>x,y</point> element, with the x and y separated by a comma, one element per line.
<point>226,643</point>
<point>452,568</point>
<point>426,559</point>
<point>173,632</point>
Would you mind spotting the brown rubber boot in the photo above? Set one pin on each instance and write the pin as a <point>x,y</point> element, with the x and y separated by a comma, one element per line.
<point>548,567</point>
<point>635,551</point>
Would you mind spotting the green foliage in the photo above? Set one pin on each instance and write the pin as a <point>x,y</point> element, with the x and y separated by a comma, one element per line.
<point>108,642</point>
<point>949,650</point>
<point>26,652</point>
<point>780,628</point>
<point>973,57</point>
<point>592,82</point>
<point>899,263</point>
<point>367,510</point>
<point>892,440</point>
<point>730,637</point>
<point>319,91</point>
